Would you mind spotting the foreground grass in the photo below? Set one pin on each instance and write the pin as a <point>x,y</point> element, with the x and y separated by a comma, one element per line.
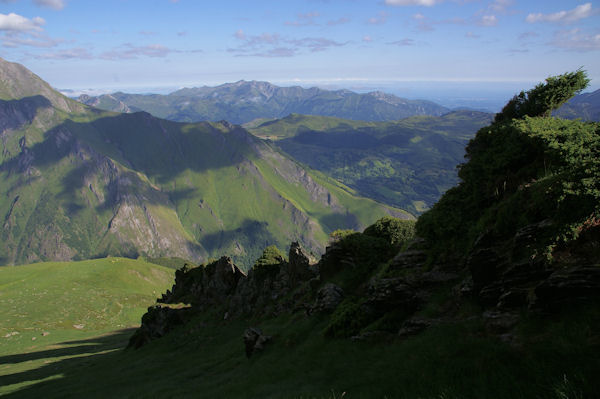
<point>51,311</point>
<point>557,358</point>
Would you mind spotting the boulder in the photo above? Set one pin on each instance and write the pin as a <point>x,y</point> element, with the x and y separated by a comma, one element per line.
<point>328,298</point>
<point>255,340</point>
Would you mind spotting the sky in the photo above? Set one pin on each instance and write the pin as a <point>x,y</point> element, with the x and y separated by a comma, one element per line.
<point>418,45</point>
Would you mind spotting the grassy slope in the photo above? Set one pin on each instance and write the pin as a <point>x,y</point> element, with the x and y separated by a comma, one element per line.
<point>407,163</point>
<point>45,305</point>
<point>206,357</point>
<point>199,182</point>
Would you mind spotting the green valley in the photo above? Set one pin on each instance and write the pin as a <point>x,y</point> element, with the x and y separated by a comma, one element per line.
<point>408,164</point>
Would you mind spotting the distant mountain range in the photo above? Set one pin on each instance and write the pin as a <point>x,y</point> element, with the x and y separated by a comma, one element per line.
<point>244,101</point>
<point>78,183</point>
<point>585,106</point>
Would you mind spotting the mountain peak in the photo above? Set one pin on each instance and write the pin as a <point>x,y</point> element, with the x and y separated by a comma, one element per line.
<point>18,82</point>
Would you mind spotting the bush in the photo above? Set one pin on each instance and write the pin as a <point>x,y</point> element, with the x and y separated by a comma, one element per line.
<point>347,320</point>
<point>393,230</point>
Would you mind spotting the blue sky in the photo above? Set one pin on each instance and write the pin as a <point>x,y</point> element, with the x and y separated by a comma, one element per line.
<point>153,43</point>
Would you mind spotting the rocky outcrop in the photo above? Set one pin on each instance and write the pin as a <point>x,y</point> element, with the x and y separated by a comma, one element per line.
<point>255,340</point>
<point>328,298</point>
<point>158,321</point>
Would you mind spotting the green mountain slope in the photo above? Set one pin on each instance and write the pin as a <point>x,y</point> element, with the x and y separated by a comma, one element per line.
<point>408,163</point>
<point>82,183</point>
<point>243,102</point>
<point>585,106</point>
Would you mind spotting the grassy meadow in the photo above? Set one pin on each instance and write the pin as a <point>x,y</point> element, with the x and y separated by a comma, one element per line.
<point>54,311</point>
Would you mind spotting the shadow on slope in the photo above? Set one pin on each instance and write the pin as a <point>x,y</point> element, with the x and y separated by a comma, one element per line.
<point>72,356</point>
<point>15,114</point>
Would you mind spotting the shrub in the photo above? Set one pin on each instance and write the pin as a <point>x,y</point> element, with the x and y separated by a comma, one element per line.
<point>393,230</point>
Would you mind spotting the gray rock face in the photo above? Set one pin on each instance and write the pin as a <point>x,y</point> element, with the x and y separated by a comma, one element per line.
<point>158,321</point>
<point>255,340</point>
<point>328,298</point>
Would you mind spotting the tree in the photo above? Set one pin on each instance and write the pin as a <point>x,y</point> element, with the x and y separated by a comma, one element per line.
<point>545,97</point>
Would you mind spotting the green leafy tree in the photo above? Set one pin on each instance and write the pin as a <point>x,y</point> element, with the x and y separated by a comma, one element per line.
<point>545,97</point>
<point>523,168</point>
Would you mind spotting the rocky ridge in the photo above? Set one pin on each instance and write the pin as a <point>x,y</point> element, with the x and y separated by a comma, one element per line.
<point>503,283</point>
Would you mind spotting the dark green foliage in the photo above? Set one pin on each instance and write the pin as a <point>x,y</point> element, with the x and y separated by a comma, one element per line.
<point>270,256</point>
<point>545,97</point>
<point>347,320</point>
<point>395,231</point>
<point>269,262</point>
<point>340,234</point>
<point>523,171</point>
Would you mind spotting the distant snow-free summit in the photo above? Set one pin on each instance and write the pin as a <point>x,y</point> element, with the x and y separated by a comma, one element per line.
<point>244,101</point>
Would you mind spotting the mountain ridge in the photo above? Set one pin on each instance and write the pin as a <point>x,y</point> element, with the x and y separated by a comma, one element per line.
<point>244,101</point>
<point>94,183</point>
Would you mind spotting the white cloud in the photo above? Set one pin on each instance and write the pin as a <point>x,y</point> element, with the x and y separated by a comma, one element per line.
<point>367,39</point>
<point>579,12</point>
<point>54,4</point>
<point>426,3</point>
<point>471,35</point>
<point>488,20</point>
<point>16,23</point>
<point>576,40</point>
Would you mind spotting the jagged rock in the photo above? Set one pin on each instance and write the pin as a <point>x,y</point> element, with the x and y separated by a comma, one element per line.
<point>255,340</point>
<point>498,322</point>
<point>513,298</point>
<point>408,259</point>
<point>572,284</point>
<point>334,260</point>
<point>299,263</point>
<point>372,336</point>
<point>328,298</point>
<point>157,322</point>
<point>414,326</point>
<point>387,294</point>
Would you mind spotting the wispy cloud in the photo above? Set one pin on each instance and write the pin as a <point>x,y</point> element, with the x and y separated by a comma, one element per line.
<point>54,4</point>
<point>471,35</point>
<point>380,19</point>
<point>315,44</point>
<point>304,19</point>
<point>367,39</point>
<point>274,45</point>
<point>130,51</point>
<point>67,54</point>
<point>576,40</point>
<point>32,40</point>
<point>339,21</point>
<point>403,42</point>
<point>563,17</point>
<point>426,3</point>
<point>500,6</point>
